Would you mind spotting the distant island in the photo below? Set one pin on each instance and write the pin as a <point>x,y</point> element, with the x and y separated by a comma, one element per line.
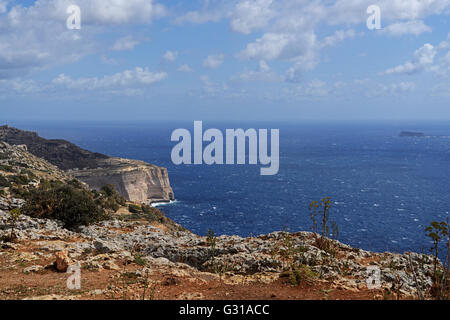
<point>411,134</point>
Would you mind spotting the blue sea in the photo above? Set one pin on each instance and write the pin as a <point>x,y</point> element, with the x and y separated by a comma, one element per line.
<point>385,189</point>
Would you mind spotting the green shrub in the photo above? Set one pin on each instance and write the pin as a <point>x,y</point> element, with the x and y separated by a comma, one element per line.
<point>109,190</point>
<point>108,198</point>
<point>139,260</point>
<point>73,206</point>
<point>19,192</point>
<point>6,168</point>
<point>75,183</point>
<point>4,182</point>
<point>18,164</point>
<point>20,179</point>
<point>299,274</point>
<point>134,208</point>
<point>152,214</point>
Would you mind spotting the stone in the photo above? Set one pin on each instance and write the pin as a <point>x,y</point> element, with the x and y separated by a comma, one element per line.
<point>32,269</point>
<point>63,261</point>
<point>110,265</point>
<point>4,204</point>
<point>97,292</point>
<point>105,247</point>
<point>10,245</point>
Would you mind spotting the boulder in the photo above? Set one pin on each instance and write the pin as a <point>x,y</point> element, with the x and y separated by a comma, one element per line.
<point>63,261</point>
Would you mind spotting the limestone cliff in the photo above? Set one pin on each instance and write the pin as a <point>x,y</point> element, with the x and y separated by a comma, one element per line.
<point>135,180</point>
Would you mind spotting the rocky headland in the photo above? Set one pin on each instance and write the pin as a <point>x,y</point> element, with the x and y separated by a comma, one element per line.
<point>136,181</point>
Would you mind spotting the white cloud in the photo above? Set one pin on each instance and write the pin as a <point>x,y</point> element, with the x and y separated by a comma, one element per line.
<point>212,11</point>
<point>129,82</point>
<point>423,57</point>
<point>289,27</point>
<point>402,87</point>
<point>360,88</point>
<point>197,17</point>
<point>137,77</point>
<point>3,5</point>
<point>104,59</point>
<point>377,90</point>
<point>445,44</point>
<point>20,87</point>
<point>283,46</point>
<point>36,37</point>
<point>125,43</point>
<point>446,58</point>
<point>263,73</point>
<point>441,90</point>
<point>415,27</point>
<point>185,68</point>
<point>291,36</point>
<point>315,88</point>
<point>300,48</point>
<point>214,61</point>
<point>112,12</point>
<point>312,90</point>
<point>338,36</point>
<point>170,56</point>
<point>251,15</point>
<point>211,88</point>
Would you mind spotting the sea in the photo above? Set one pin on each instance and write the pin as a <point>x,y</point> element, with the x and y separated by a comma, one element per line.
<point>385,189</point>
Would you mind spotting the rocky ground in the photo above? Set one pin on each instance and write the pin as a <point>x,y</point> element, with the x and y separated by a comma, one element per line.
<point>140,260</point>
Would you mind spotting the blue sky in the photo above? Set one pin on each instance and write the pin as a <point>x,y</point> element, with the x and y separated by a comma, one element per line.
<point>216,60</point>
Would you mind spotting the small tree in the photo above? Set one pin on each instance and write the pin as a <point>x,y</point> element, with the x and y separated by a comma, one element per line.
<point>437,232</point>
<point>211,241</point>
<point>322,208</point>
<point>14,217</point>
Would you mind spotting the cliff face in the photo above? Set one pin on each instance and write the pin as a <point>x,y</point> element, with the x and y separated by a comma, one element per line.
<point>136,181</point>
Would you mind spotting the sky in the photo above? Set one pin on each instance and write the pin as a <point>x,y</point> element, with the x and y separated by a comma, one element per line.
<point>224,60</point>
